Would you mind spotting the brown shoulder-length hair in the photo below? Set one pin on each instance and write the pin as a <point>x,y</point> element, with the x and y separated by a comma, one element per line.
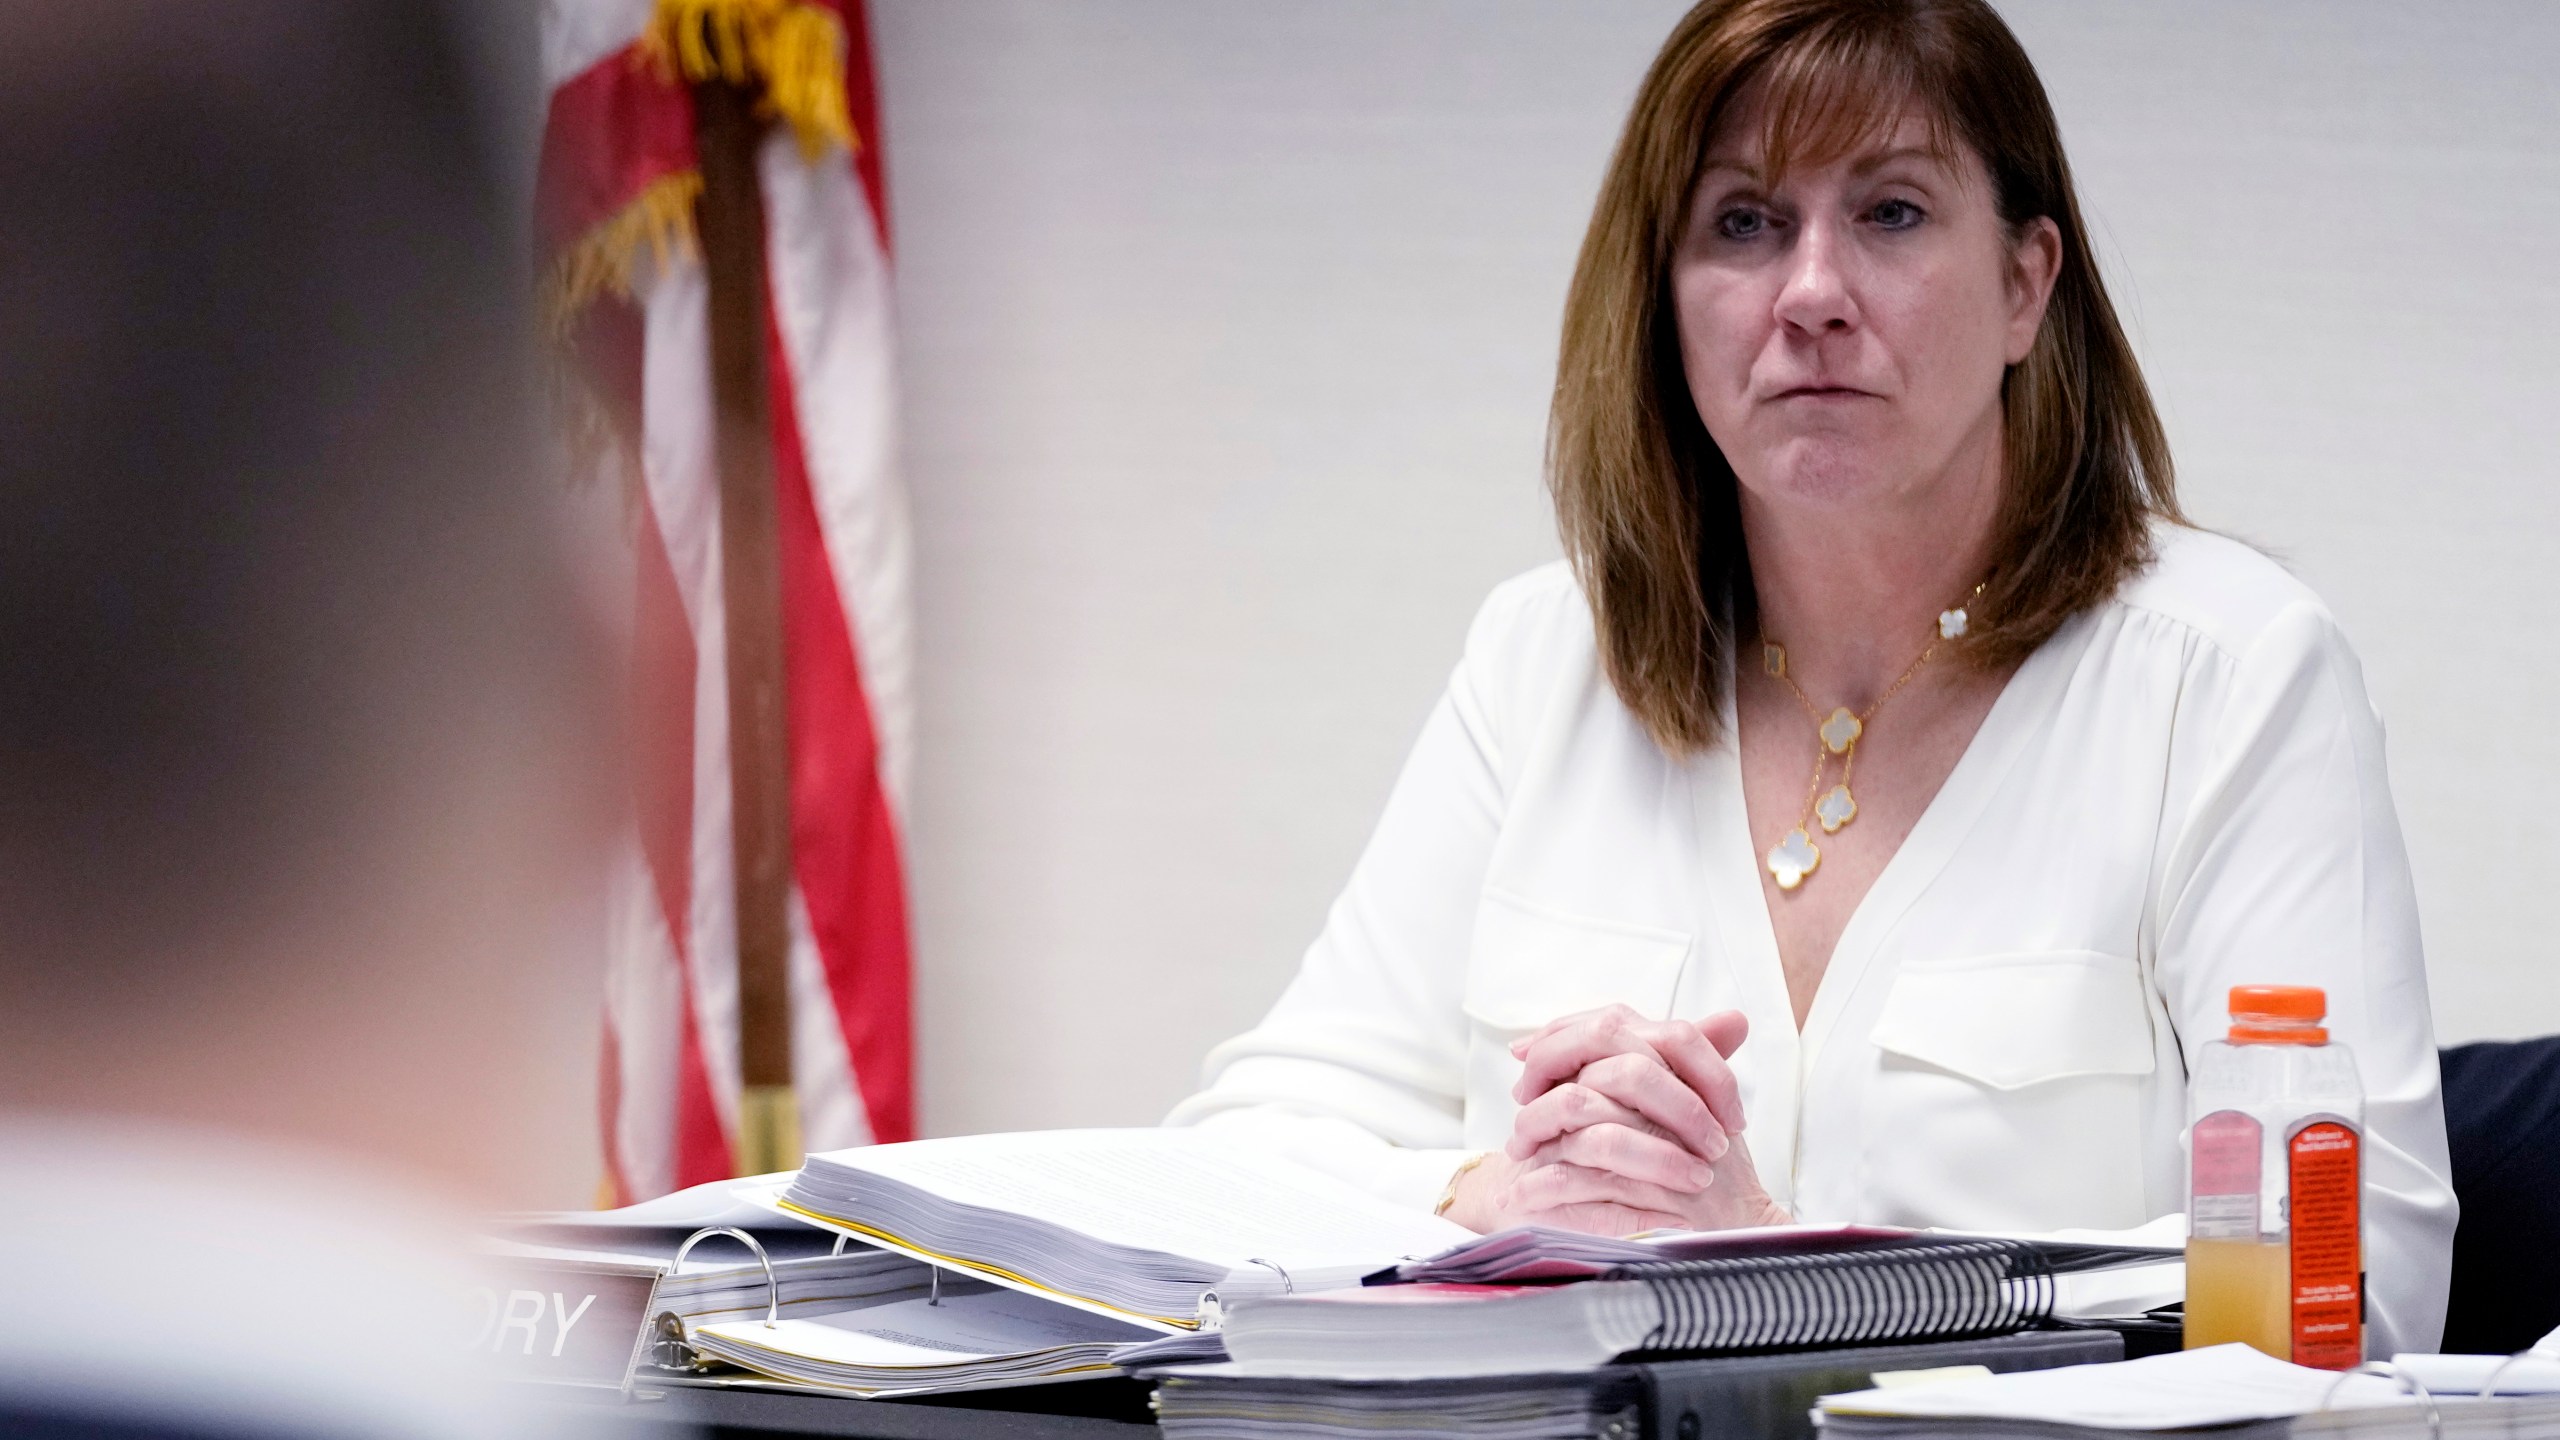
<point>1646,502</point>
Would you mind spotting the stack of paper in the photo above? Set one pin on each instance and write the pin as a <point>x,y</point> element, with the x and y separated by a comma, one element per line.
<point>1154,1226</point>
<point>701,1293</point>
<point>969,1337</point>
<point>721,1278</point>
<point>661,1225</point>
<point>1536,1253</point>
<point>2532,1373</point>
<point>1734,1396</point>
<point>1418,1331</point>
<point>1221,1405</point>
<point>2231,1391</point>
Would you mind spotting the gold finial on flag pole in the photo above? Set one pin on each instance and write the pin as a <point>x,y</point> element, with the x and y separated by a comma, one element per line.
<point>768,1129</point>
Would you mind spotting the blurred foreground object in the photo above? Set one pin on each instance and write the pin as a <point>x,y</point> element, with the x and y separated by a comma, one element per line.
<point>713,222</point>
<point>295,720</point>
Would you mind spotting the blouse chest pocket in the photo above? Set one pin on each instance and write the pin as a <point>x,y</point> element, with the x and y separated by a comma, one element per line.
<point>2010,1021</point>
<point>2010,1090</point>
<point>1530,964</point>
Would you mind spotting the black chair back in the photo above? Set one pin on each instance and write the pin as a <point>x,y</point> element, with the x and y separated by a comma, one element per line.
<point>2502,1114</point>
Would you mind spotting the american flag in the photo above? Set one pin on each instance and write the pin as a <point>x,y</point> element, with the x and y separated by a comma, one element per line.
<point>629,300</point>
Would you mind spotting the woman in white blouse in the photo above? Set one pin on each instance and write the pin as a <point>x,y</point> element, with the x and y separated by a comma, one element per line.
<point>1873,815</point>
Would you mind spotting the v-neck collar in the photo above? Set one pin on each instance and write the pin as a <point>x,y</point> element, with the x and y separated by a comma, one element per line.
<point>1732,862</point>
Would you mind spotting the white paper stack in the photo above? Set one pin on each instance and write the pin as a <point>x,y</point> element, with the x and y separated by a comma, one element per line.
<point>969,1337</point>
<point>657,1227</point>
<point>2535,1372</point>
<point>1152,1226</point>
<point>1222,1405</point>
<point>721,1278</point>
<point>1533,1252</point>
<point>1406,1332</point>
<point>812,1286</point>
<point>2230,1392</point>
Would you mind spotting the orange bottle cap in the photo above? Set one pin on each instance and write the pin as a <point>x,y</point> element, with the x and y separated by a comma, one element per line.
<point>2279,1014</point>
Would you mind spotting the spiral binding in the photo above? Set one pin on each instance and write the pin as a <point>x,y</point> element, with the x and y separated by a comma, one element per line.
<point>1925,1290</point>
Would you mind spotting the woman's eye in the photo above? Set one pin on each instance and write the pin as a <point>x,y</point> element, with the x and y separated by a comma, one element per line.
<point>1896,214</point>
<point>1741,224</point>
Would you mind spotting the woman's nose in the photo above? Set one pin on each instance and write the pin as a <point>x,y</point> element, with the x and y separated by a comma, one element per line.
<point>1816,297</point>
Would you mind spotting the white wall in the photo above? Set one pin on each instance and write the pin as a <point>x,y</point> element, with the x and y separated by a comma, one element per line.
<point>2334,228</point>
<point>1228,331</point>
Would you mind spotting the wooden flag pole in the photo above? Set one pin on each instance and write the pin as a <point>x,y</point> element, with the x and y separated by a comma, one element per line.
<point>727,135</point>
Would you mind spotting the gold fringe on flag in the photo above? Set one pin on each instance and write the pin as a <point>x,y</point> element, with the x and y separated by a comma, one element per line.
<point>606,257</point>
<point>606,260</point>
<point>796,49</point>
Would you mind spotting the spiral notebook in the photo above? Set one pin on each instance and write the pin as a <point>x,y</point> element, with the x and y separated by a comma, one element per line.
<point>1879,1292</point>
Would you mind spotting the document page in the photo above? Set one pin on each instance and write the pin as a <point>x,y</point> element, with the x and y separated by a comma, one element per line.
<point>659,1227</point>
<point>717,1202</point>
<point>1173,1191</point>
<point>2218,1385</point>
<point>2465,1374</point>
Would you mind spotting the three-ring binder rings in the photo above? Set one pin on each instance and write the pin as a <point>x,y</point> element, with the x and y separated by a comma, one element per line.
<point>591,1317</point>
<point>809,1307</point>
<point>585,1291</point>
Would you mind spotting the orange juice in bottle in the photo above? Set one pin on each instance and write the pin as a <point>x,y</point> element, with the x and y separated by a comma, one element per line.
<point>2275,1255</point>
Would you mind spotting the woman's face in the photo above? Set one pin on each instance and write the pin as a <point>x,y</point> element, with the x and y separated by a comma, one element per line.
<point>1846,329</point>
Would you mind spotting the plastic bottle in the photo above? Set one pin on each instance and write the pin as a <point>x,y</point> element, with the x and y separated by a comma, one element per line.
<point>2275,1255</point>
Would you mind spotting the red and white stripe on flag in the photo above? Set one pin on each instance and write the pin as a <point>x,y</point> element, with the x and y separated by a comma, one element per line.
<point>630,301</point>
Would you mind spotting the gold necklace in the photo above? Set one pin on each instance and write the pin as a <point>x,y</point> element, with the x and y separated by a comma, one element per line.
<point>1796,856</point>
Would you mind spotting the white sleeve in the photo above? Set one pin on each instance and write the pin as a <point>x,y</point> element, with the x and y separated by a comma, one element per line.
<point>1359,1069</point>
<point>2288,868</point>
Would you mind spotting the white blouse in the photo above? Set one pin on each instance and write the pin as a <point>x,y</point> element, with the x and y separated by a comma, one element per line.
<point>2181,791</point>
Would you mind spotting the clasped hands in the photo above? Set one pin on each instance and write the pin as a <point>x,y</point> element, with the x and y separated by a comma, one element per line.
<point>1625,1124</point>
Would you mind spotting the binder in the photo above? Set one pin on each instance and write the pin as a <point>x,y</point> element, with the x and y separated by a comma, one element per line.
<point>590,1319</point>
<point>569,1319</point>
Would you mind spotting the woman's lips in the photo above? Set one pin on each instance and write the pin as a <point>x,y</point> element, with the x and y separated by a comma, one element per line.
<point>1824,392</point>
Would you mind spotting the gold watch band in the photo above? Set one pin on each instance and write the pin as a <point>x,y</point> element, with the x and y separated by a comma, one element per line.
<point>1449,1192</point>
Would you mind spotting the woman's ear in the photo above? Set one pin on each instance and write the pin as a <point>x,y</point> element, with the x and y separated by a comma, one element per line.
<point>2033,266</point>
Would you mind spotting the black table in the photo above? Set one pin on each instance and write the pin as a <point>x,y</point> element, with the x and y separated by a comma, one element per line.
<point>1113,1409</point>
<point>1736,1398</point>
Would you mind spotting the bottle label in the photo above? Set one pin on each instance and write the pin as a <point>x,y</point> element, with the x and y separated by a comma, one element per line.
<point>2325,1211</point>
<point>2224,1159</point>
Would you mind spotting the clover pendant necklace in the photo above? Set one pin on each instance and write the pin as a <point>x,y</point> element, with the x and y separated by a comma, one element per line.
<point>1796,856</point>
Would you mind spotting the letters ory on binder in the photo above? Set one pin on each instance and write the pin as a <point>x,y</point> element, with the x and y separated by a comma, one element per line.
<point>567,1319</point>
